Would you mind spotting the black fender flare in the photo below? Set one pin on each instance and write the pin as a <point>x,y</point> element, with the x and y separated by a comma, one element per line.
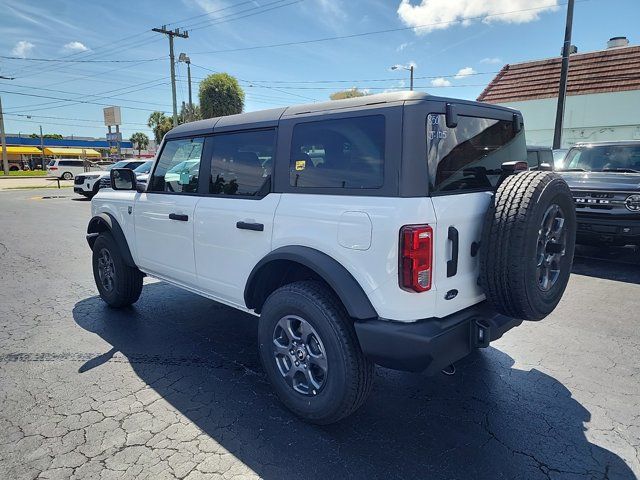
<point>349,291</point>
<point>105,222</point>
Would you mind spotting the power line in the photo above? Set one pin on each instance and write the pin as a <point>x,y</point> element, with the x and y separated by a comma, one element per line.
<point>233,16</point>
<point>378,32</point>
<point>29,116</point>
<point>81,60</point>
<point>73,101</point>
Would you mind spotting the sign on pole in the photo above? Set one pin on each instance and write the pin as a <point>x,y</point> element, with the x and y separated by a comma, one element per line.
<point>112,116</point>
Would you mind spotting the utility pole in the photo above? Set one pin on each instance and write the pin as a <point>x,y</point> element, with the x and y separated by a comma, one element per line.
<point>171,34</point>
<point>3,139</point>
<point>42,147</point>
<point>183,57</point>
<point>411,82</point>
<point>564,76</point>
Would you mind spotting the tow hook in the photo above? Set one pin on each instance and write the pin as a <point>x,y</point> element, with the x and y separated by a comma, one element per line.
<point>480,334</point>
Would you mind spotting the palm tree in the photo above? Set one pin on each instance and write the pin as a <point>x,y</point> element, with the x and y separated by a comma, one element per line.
<point>156,120</point>
<point>140,141</point>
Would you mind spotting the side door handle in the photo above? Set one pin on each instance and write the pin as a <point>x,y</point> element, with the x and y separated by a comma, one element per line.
<point>258,227</point>
<point>452,265</point>
<point>178,216</point>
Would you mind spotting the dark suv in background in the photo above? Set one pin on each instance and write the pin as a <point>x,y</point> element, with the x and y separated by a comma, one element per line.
<point>605,180</point>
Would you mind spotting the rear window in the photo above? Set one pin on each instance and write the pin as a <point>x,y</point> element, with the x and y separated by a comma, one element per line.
<point>338,153</point>
<point>469,157</point>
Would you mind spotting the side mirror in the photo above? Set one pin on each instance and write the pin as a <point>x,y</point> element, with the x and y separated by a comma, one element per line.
<point>451,116</point>
<point>546,167</point>
<point>517,122</point>
<point>123,179</point>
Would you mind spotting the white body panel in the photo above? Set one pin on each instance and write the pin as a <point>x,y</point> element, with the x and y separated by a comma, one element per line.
<point>224,254</point>
<point>59,170</point>
<point>165,246</point>
<point>320,222</point>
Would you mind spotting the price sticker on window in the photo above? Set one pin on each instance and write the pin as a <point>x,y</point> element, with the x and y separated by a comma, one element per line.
<point>301,165</point>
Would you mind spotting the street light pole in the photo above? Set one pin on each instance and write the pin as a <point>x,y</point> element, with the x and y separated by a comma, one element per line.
<point>411,82</point>
<point>184,58</point>
<point>564,76</point>
<point>410,69</point>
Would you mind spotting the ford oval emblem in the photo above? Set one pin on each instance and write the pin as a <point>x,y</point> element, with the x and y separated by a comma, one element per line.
<point>451,294</point>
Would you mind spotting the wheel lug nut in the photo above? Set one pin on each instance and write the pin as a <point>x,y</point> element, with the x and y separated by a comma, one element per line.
<point>297,363</point>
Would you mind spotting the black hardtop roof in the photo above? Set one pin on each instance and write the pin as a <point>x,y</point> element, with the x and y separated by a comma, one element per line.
<point>266,118</point>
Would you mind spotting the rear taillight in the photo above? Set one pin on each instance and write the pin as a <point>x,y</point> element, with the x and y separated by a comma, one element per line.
<point>53,168</point>
<point>416,252</point>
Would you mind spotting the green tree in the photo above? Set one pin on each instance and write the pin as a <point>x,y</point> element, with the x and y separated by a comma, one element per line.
<point>220,94</point>
<point>351,93</point>
<point>189,113</point>
<point>158,122</point>
<point>140,141</point>
<point>57,136</point>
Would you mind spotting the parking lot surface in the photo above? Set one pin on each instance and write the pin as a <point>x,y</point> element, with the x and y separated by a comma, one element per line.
<point>173,388</point>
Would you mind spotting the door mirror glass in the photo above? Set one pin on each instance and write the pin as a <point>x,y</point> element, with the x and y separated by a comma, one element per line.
<point>546,167</point>
<point>123,179</point>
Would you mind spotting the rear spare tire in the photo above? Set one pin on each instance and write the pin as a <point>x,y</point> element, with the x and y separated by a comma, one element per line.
<point>527,245</point>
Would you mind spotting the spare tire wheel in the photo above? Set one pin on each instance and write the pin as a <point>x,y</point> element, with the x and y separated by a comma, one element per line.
<point>528,240</point>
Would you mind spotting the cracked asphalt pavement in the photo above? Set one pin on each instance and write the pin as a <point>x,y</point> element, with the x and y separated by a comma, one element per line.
<point>173,388</point>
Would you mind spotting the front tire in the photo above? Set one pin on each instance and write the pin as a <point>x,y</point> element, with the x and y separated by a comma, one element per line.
<point>119,284</point>
<point>309,349</point>
<point>67,176</point>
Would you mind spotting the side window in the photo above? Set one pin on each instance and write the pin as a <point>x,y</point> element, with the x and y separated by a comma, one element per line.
<point>469,157</point>
<point>178,167</point>
<point>70,163</point>
<point>339,153</point>
<point>242,162</point>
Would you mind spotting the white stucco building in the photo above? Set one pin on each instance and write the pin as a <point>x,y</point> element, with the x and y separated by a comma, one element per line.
<point>603,95</point>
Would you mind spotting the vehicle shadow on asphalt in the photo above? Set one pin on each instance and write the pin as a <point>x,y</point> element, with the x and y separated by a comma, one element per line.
<point>621,264</point>
<point>490,420</point>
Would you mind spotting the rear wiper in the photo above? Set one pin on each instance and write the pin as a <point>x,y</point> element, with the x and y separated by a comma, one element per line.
<point>621,170</point>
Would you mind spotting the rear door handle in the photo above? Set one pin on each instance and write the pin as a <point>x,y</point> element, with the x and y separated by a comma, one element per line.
<point>258,227</point>
<point>452,265</point>
<point>178,216</point>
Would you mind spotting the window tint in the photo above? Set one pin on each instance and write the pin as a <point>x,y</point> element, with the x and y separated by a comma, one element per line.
<point>469,156</point>
<point>178,167</point>
<point>241,162</point>
<point>70,163</point>
<point>339,153</point>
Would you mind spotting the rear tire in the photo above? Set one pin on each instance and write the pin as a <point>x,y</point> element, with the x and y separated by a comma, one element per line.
<point>527,245</point>
<point>336,378</point>
<point>119,284</point>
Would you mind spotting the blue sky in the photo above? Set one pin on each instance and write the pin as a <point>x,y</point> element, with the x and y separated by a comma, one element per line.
<point>457,50</point>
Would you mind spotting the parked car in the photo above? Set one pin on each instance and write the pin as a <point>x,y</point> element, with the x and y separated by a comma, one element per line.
<point>65,168</point>
<point>389,245</point>
<point>539,158</point>
<point>559,154</point>
<point>142,173</point>
<point>89,183</point>
<point>605,181</point>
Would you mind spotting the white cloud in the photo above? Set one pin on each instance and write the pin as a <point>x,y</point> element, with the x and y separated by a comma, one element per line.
<point>75,47</point>
<point>404,45</point>
<point>22,49</point>
<point>491,60</point>
<point>464,72</point>
<point>441,14</point>
<point>440,82</point>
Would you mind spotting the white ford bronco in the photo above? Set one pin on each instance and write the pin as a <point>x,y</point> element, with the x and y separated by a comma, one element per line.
<point>397,229</point>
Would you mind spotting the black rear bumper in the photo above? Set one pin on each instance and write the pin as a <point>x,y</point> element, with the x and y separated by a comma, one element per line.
<point>431,344</point>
